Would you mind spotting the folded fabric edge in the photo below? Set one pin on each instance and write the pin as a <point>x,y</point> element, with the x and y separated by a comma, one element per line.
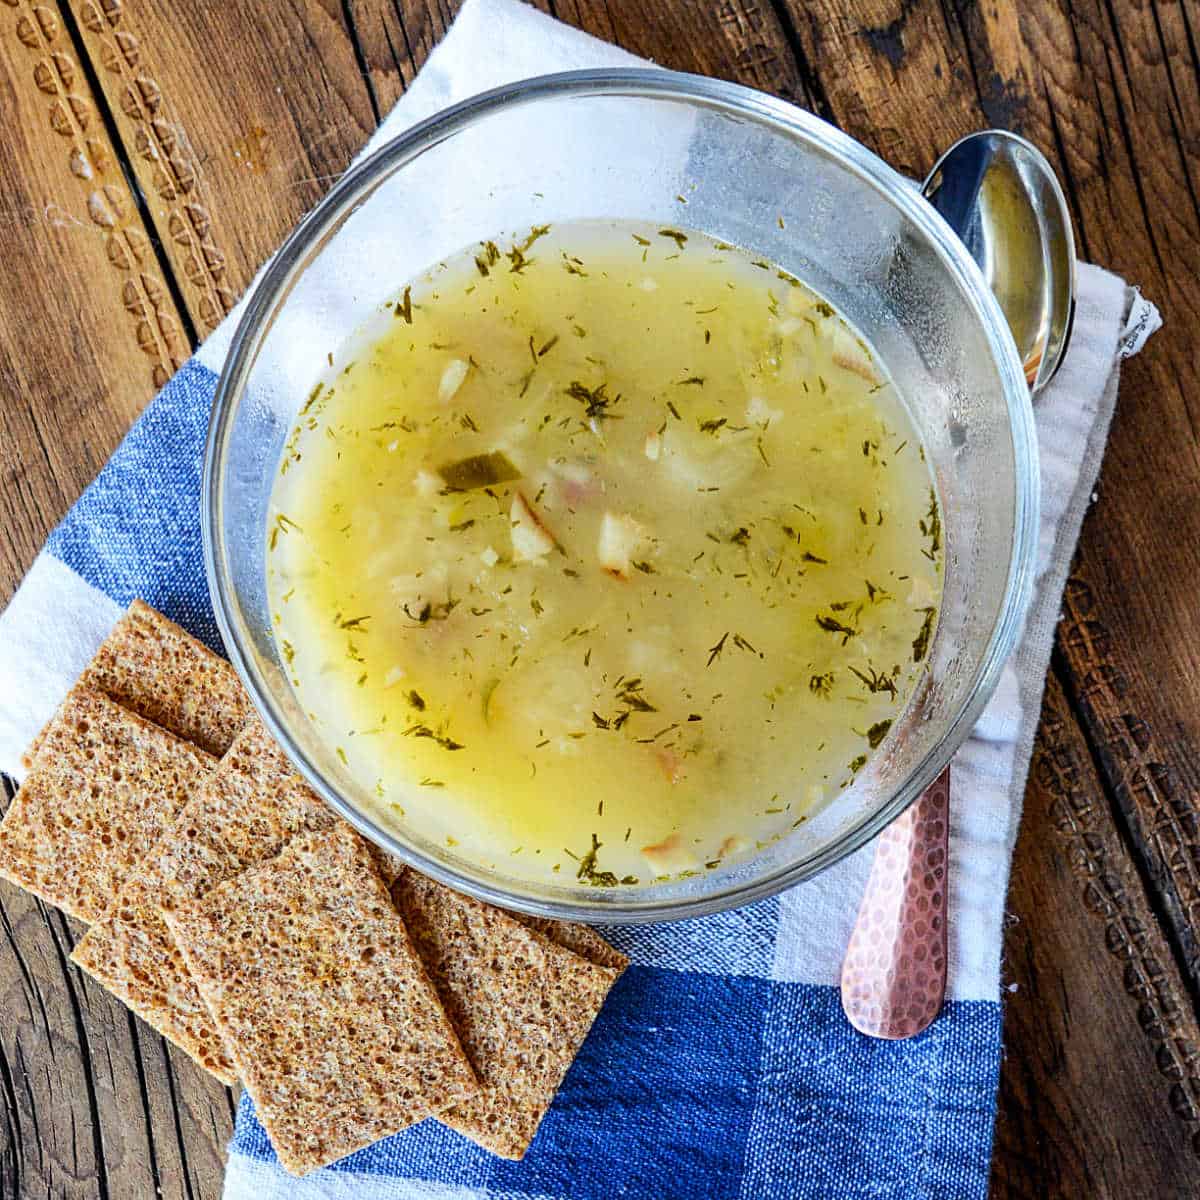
<point>1135,323</point>
<point>48,633</point>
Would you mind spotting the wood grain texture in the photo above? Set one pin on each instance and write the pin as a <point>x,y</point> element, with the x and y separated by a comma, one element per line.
<point>745,42</point>
<point>95,1103</point>
<point>234,118</point>
<point>1111,93</point>
<point>92,1102</point>
<point>259,105</point>
<point>1085,1049</point>
<point>394,38</point>
<point>101,87</point>
<point>1130,641</point>
<point>88,325</point>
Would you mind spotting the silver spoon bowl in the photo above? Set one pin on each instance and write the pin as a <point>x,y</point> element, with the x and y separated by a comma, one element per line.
<point>1002,198</point>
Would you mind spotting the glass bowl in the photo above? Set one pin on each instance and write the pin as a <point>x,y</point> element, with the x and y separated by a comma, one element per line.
<point>642,144</point>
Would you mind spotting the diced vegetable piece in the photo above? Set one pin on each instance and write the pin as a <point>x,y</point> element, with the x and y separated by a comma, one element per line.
<point>670,763</point>
<point>734,844</point>
<point>699,460</point>
<point>479,471</point>
<point>577,473</point>
<point>620,539</point>
<point>546,699</point>
<point>850,354</point>
<point>759,412</point>
<point>670,856</point>
<point>452,379</point>
<point>653,446</point>
<point>578,482</point>
<point>423,595</point>
<point>921,594</point>
<point>427,483</point>
<point>856,365</point>
<point>530,538</point>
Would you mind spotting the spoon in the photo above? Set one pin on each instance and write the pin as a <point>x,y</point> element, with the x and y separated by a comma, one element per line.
<point>1001,196</point>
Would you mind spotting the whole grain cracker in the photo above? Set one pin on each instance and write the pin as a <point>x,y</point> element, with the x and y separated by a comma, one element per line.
<point>151,666</point>
<point>333,1024</point>
<point>253,806</point>
<point>247,811</point>
<point>104,787</point>
<point>521,1004</point>
<point>390,865</point>
<point>131,952</point>
<point>583,939</point>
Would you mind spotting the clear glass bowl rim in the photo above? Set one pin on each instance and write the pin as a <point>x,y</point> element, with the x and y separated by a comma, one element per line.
<point>355,186</point>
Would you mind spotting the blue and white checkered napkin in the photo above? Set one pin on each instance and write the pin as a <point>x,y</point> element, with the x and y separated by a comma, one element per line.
<point>722,1065</point>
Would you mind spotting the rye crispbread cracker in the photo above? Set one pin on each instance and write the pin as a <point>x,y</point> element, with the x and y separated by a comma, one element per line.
<point>248,810</point>
<point>390,866</point>
<point>521,1004</point>
<point>131,953</point>
<point>151,666</point>
<point>104,787</point>
<point>334,1026</point>
<point>583,939</point>
<point>254,805</point>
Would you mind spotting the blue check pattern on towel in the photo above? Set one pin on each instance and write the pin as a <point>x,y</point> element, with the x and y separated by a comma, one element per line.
<point>703,1077</point>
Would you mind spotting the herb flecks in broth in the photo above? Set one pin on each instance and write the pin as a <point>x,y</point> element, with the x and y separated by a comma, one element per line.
<point>613,556</point>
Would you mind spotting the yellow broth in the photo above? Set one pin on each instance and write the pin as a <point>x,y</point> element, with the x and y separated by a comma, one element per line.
<point>605,554</point>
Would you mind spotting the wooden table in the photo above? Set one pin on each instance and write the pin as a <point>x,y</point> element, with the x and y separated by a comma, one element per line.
<point>155,151</point>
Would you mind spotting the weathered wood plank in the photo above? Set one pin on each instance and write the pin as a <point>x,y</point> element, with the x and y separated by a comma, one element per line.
<point>745,42</point>
<point>394,38</point>
<point>88,329</point>
<point>741,40</point>
<point>896,75</point>
<point>1130,638</point>
<point>92,1106</point>
<point>88,326</point>
<point>236,120</point>
<point>1100,1088</point>
<point>93,1103</point>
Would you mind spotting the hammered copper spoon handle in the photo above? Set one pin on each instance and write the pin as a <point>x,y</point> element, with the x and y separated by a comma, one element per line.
<point>894,972</point>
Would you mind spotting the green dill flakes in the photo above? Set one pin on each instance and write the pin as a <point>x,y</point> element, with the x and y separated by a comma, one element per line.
<point>606,549</point>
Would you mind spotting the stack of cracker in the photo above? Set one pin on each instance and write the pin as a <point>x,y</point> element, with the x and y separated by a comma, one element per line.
<point>243,920</point>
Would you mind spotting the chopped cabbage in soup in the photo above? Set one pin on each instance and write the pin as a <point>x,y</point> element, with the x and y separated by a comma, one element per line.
<point>605,555</point>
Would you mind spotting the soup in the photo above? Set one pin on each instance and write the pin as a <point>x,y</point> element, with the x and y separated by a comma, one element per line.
<point>605,553</point>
